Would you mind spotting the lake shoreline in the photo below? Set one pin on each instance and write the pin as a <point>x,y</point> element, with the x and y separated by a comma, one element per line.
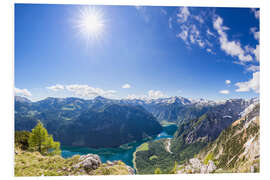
<point>125,152</point>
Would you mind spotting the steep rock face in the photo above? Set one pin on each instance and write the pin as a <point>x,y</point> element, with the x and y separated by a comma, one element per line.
<point>235,150</point>
<point>207,127</point>
<point>193,135</point>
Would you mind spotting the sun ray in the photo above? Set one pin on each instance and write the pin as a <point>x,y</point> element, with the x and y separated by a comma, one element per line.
<point>90,23</point>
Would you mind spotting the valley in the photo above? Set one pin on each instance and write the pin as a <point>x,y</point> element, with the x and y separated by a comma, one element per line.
<point>162,134</point>
<point>124,152</point>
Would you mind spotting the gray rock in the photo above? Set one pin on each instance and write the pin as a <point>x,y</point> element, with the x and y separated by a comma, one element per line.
<point>252,169</point>
<point>89,162</point>
<point>131,171</point>
<point>211,166</point>
<point>110,163</point>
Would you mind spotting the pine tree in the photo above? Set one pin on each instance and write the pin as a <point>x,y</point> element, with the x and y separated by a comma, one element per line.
<point>42,142</point>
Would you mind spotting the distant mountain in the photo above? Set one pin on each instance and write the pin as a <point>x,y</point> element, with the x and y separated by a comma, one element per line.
<point>111,127</point>
<point>199,120</point>
<point>235,150</point>
<point>218,117</point>
<point>92,123</point>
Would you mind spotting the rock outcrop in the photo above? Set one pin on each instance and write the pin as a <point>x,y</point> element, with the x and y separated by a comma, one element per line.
<point>196,166</point>
<point>235,150</point>
<point>89,162</point>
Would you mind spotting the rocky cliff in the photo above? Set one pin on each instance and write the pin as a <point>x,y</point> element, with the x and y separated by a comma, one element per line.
<point>235,150</point>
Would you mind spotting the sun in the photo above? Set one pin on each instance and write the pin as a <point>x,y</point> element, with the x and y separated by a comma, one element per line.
<point>90,23</point>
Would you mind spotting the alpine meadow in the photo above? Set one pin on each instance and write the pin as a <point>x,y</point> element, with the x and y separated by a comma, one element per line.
<point>126,90</point>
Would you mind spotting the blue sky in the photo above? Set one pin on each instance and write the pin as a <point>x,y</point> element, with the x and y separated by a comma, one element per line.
<point>136,52</point>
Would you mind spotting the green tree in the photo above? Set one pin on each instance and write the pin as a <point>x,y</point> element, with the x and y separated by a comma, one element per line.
<point>158,171</point>
<point>21,139</point>
<point>42,142</point>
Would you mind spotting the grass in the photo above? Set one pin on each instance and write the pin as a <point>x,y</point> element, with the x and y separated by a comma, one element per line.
<point>143,147</point>
<point>204,116</point>
<point>167,123</point>
<point>207,158</point>
<point>153,157</point>
<point>117,169</point>
<point>35,164</point>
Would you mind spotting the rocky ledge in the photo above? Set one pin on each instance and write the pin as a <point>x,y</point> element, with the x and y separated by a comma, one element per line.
<point>196,166</point>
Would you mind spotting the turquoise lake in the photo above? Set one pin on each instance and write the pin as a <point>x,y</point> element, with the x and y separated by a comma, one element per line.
<point>124,153</point>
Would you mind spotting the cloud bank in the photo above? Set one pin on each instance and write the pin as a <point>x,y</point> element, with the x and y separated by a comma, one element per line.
<point>252,84</point>
<point>22,92</point>
<point>83,91</point>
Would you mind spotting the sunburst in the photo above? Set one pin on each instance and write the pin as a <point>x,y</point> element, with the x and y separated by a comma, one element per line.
<point>90,23</point>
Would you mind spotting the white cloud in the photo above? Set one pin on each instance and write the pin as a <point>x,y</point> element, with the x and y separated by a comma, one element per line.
<point>210,50</point>
<point>56,87</point>
<point>133,96</point>
<point>210,33</point>
<point>200,43</point>
<point>256,52</point>
<point>189,31</point>
<point>143,12</point>
<point>183,35</point>
<point>22,92</point>
<point>126,86</point>
<point>255,33</point>
<point>228,82</point>
<point>156,94</point>
<point>199,18</point>
<point>152,94</point>
<point>195,36</point>
<point>253,68</point>
<point>170,22</point>
<point>232,48</point>
<point>86,91</point>
<point>256,13</point>
<point>163,11</point>
<point>224,92</point>
<point>252,84</point>
<point>191,34</point>
<point>183,14</point>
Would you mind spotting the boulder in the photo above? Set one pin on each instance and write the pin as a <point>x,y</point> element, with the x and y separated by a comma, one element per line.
<point>211,166</point>
<point>131,171</point>
<point>89,162</point>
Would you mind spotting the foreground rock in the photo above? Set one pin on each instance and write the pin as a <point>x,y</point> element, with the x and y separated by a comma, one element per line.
<point>196,166</point>
<point>89,162</point>
<point>34,164</point>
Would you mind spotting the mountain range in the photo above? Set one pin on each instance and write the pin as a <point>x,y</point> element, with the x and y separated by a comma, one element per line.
<point>235,150</point>
<point>206,128</point>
